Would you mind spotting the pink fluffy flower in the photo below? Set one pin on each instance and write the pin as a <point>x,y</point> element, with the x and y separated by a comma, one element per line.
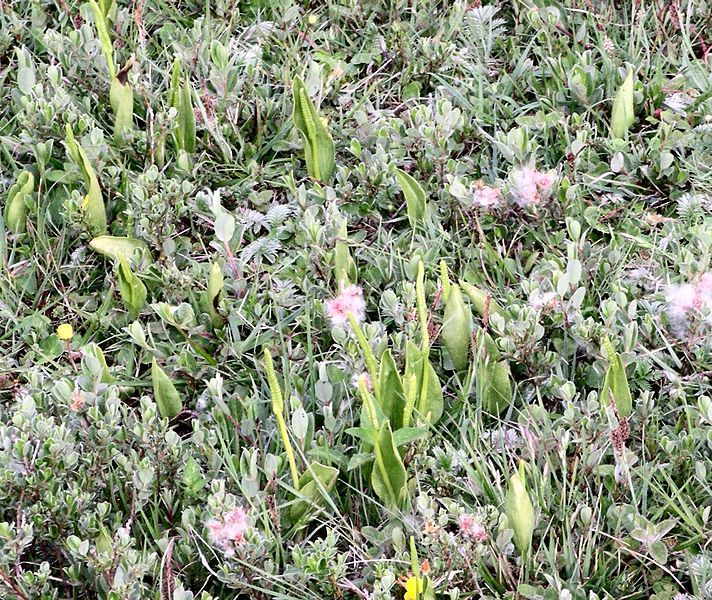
<point>530,186</point>
<point>485,196</point>
<point>681,299</point>
<point>471,527</point>
<point>350,300</point>
<point>229,532</point>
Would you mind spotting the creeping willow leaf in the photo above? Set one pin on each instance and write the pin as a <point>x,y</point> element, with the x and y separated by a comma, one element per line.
<point>16,204</point>
<point>414,197</point>
<point>133,292</point>
<point>165,393</point>
<point>319,151</point>
<point>93,210</point>
<point>623,115</point>
<point>520,511</point>
<point>615,385</point>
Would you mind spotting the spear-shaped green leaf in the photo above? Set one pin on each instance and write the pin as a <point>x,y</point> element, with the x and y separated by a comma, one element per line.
<point>388,477</point>
<point>391,394</point>
<point>520,511</point>
<point>615,385</point>
<point>134,251</point>
<point>623,113</point>
<point>93,210</point>
<point>482,301</point>
<point>133,292</point>
<point>344,266</point>
<point>16,204</point>
<point>414,197</point>
<point>457,323</point>
<point>316,480</point>
<point>493,377</point>
<point>319,151</point>
<point>212,295</point>
<point>165,393</point>
<point>181,98</point>
<point>121,99</point>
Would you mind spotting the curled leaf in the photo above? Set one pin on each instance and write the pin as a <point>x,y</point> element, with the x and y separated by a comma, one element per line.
<point>615,385</point>
<point>134,251</point>
<point>93,210</point>
<point>133,292</point>
<point>16,204</point>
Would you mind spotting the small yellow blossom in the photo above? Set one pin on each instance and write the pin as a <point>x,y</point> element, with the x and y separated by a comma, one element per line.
<point>419,588</point>
<point>65,331</point>
<point>312,19</point>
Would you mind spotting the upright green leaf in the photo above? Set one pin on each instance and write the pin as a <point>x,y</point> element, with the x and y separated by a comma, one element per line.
<point>93,210</point>
<point>319,151</point>
<point>391,394</point>
<point>312,485</point>
<point>16,204</point>
<point>164,392</point>
<point>133,292</point>
<point>121,99</point>
<point>493,377</point>
<point>623,113</point>
<point>388,477</point>
<point>615,385</point>
<point>182,101</point>
<point>344,266</point>
<point>414,197</point>
<point>212,294</point>
<point>520,511</point>
<point>456,328</point>
<point>428,392</point>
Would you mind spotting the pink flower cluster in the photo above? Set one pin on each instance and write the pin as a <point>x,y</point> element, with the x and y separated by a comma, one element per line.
<point>486,196</point>
<point>350,300</point>
<point>229,532</point>
<point>530,186</point>
<point>471,527</point>
<point>684,298</point>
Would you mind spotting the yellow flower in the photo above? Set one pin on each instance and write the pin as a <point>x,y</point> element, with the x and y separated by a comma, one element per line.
<point>65,331</point>
<point>312,19</point>
<point>419,588</point>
